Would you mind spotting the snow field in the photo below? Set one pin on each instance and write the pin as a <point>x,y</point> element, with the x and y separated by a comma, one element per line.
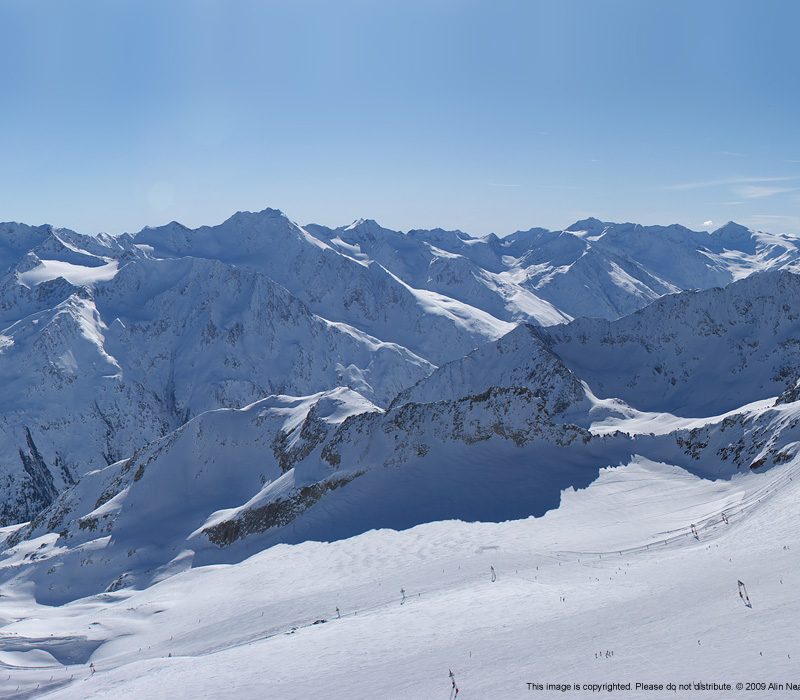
<point>564,593</point>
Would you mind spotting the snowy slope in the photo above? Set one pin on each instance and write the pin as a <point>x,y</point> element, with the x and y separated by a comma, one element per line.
<point>154,500</point>
<point>465,270</point>
<point>615,569</point>
<point>522,358</point>
<point>99,366</point>
<point>496,435</point>
<point>592,268</point>
<point>483,458</point>
<point>374,278</point>
<point>696,353</point>
<point>272,508</point>
<point>335,285</point>
<point>107,343</point>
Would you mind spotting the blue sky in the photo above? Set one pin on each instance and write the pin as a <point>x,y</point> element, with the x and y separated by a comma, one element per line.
<point>489,115</point>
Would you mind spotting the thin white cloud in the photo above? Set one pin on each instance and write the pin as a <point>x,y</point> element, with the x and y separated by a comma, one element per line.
<point>708,223</point>
<point>733,154</point>
<point>761,191</point>
<point>728,181</point>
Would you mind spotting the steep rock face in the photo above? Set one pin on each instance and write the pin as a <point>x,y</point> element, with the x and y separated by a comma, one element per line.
<point>40,491</point>
<point>152,501</point>
<point>68,398</point>
<point>699,353</point>
<point>521,359</point>
<point>122,362</point>
<point>411,430</point>
<point>218,335</point>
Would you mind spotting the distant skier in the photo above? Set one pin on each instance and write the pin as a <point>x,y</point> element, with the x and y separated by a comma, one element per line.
<point>338,614</point>
<point>403,594</point>
<point>743,594</point>
<point>724,518</point>
<point>91,668</point>
<point>494,575</point>
<point>694,532</point>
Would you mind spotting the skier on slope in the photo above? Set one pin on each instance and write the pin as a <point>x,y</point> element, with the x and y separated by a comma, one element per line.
<point>494,575</point>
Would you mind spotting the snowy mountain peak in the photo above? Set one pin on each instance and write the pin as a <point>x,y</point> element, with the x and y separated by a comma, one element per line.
<point>364,232</point>
<point>591,226</point>
<point>732,234</point>
<point>731,229</point>
<point>171,226</point>
<point>439,234</point>
<point>177,321</point>
<point>364,224</point>
<point>250,217</point>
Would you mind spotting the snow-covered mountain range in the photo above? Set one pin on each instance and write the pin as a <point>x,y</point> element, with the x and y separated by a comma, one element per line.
<point>176,397</point>
<point>495,435</point>
<point>109,343</point>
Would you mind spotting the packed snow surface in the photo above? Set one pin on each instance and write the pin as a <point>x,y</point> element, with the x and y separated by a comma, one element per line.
<point>614,569</point>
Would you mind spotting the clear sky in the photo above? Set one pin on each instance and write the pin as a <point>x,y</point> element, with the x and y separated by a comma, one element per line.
<point>490,115</point>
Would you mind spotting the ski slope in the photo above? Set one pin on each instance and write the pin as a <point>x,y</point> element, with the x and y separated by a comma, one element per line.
<point>615,569</point>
